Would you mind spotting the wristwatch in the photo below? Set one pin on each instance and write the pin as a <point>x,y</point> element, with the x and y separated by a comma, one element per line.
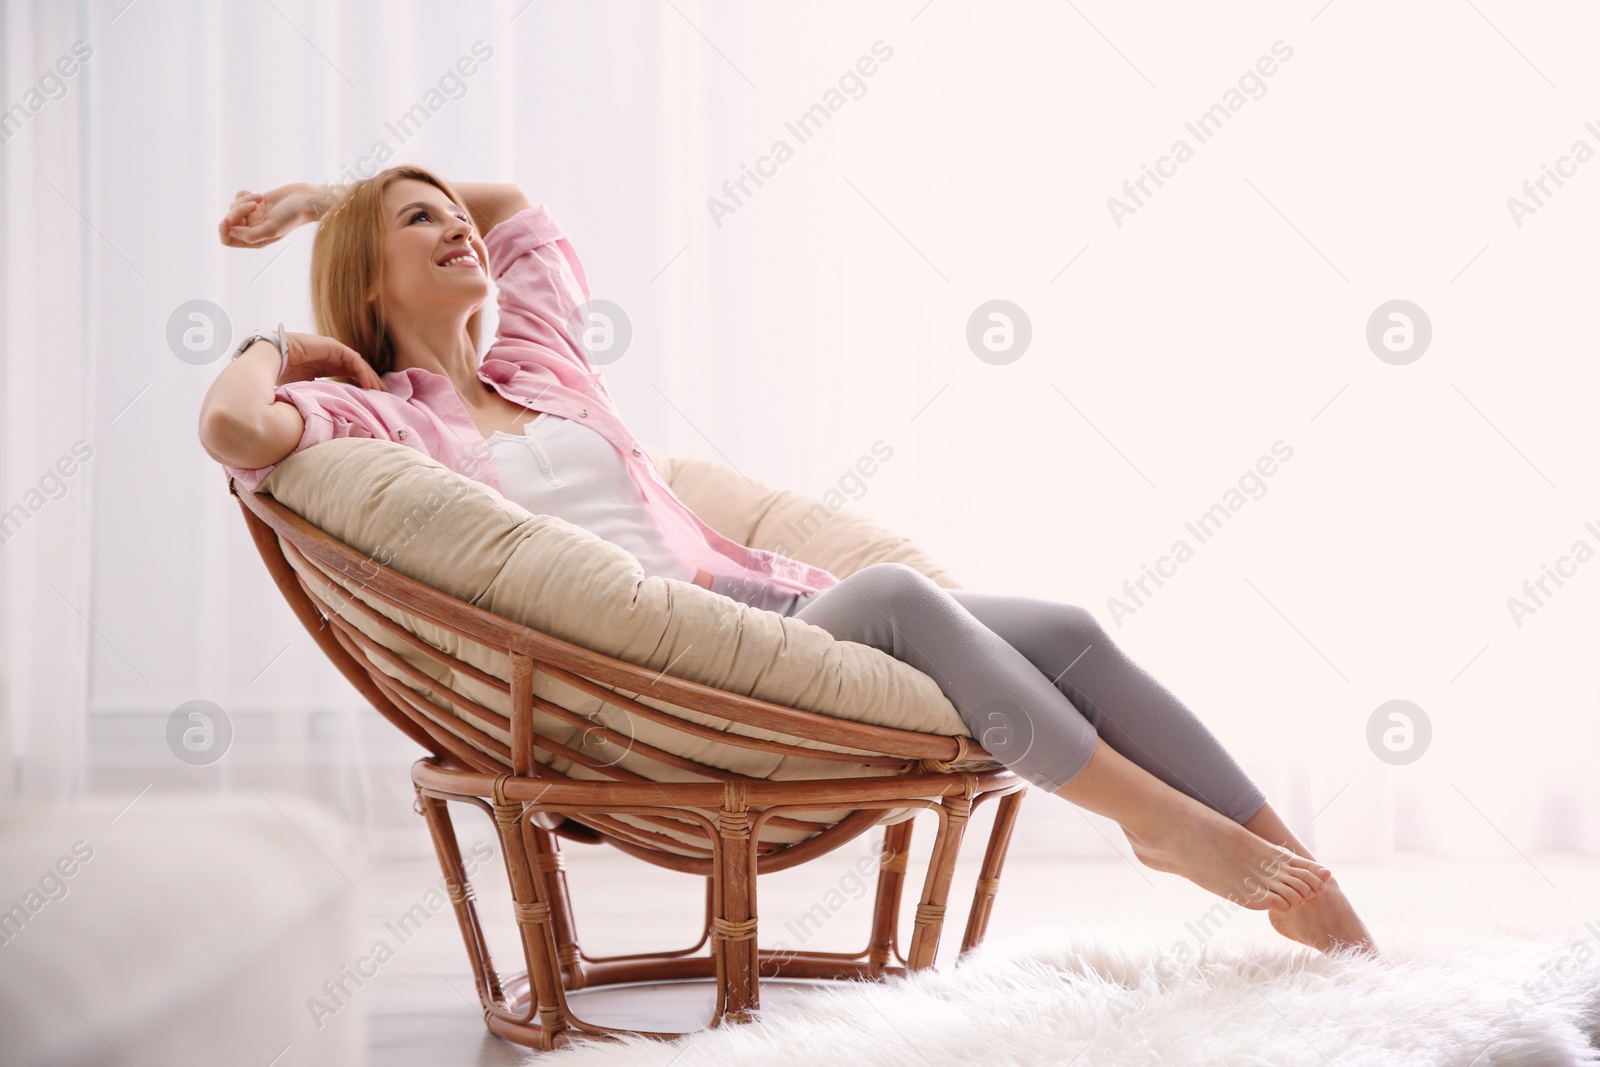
<point>280,341</point>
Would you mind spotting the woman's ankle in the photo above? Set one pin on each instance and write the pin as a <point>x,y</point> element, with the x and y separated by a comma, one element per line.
<point>1162,831</point>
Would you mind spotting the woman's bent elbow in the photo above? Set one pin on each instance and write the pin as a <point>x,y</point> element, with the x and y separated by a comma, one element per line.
<point>245,444</point>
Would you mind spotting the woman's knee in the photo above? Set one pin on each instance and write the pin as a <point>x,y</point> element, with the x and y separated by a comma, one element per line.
<point>873,604</point>
<point>1064,637</point>
<point>891,579</point>
<point>1076,624</point>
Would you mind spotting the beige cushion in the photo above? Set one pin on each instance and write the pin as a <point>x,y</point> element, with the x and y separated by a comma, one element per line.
<point>750,512</point>
<point>410,512</point>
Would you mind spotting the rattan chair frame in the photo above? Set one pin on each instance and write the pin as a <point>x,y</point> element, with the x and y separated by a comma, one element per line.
<point>533,806</point>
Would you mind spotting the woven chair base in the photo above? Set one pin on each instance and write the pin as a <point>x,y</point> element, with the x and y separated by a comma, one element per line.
<point>531,1007</point>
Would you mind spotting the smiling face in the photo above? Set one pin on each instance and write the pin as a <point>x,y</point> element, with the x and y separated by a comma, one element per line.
<point>433,258</point>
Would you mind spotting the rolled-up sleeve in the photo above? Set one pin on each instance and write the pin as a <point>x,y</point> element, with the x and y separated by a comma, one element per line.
<point>330,409</point>
<point>541,284</point>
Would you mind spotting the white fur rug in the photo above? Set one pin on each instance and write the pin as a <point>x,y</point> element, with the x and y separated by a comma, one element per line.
<point>1523,1000</point>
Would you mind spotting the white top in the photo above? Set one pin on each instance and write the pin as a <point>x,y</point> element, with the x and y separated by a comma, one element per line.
<point>560,467</point>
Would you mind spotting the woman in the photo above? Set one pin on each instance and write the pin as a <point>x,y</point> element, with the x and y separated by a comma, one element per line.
<point>401,267</point>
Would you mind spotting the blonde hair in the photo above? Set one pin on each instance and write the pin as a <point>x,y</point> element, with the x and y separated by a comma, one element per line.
<point>347,264</point>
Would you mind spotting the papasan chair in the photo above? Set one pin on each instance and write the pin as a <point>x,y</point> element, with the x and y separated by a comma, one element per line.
<point>572,699</point>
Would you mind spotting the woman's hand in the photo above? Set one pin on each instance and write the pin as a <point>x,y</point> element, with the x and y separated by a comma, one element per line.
<point>255,220</point>
<point>313,356</point>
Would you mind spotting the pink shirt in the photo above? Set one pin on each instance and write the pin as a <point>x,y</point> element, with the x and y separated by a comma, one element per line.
<point>533,362</point>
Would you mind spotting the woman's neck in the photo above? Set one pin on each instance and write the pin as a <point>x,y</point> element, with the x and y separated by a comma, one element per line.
<point>444,350</point>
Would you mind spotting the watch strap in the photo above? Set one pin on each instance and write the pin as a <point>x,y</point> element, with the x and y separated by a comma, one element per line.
<point>278,340</point>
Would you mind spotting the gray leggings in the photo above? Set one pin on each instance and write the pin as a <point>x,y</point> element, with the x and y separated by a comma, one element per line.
<point>1036,681</point>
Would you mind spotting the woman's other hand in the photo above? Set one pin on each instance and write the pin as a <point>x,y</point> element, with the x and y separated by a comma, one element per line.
<point>254,220</point>
<point>313,356</point>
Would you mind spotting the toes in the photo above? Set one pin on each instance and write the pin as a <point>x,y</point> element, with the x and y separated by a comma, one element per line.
<point>1311,871</point>
<point>1315,868</point>
<point>1295,891</point>
<point>1306,890</point>
<point>1279,894</point>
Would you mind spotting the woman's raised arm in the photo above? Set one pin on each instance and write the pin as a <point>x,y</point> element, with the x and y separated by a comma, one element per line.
<point>491,203</point>
<point>257,219</point>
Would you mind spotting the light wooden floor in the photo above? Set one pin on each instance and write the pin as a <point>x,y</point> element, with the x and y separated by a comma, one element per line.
<point>421,1008</point>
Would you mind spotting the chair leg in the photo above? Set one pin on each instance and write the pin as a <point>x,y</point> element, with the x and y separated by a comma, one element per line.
<point>534,923</point>
<point>891,886</point>
<point>953,814</point>
<point>734,924</point>
<point>553,870</point>
<point>994,858</point>
<point>440,827</point>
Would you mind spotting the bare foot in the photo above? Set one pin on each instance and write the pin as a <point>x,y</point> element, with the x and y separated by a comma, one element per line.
<point>1326,923</point>
<point>1219,855</point>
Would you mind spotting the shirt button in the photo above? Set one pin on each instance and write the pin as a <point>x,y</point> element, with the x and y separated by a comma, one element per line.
<point>583,413</point>
<point>404,434</point>
<point>527,400</point>
<point>638,452</point>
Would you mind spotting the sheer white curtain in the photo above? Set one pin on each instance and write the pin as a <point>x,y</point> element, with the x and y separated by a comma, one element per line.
<point>881,171</point>
<point>50,440</point>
